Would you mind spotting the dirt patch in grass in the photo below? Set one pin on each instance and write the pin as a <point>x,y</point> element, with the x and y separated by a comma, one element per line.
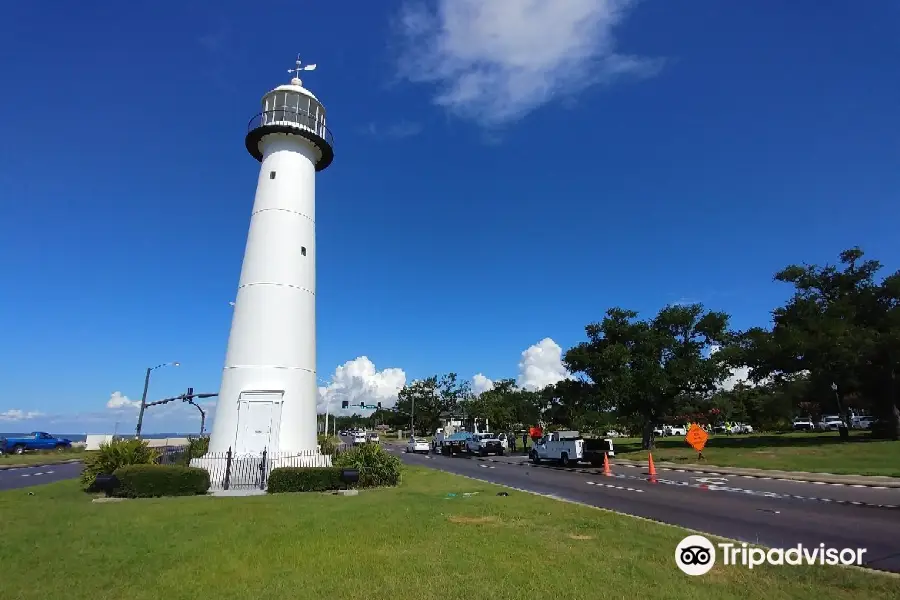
<point>463,520</point>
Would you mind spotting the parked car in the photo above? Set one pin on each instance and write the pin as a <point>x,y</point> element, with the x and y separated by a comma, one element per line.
<point>372,436</point>
<point>675,430</point>
<point>38,440</point>
<point>803,424</point>
<point>453,444</point>
<point>863,422</point>
<point>830,423</point>
<point>418,445</point>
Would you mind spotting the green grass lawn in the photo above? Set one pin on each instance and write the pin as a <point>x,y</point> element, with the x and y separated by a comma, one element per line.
<point>409,542</point>
<point>42,458</point>
<point>814,452</point>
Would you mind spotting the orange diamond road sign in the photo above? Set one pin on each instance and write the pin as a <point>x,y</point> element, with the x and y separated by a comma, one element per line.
<point>696,437</point>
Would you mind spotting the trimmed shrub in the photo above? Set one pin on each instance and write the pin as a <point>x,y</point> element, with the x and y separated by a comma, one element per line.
<point>377,467</point>
<point>304,479</point>
<point>116,454</point>
<point>152,481</point>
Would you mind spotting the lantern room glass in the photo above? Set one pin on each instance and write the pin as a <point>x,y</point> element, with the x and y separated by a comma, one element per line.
<point>292,108</point>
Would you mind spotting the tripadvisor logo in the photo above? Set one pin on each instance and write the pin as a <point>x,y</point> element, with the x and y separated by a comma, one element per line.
<point>696,555</point>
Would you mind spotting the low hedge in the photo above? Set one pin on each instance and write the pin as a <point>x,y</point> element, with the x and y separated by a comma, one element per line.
<point>376,466</point>
<point>305,479</point>
<point>151,481</point>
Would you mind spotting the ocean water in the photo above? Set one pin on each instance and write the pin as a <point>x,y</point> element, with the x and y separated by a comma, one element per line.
<point>80,437</point>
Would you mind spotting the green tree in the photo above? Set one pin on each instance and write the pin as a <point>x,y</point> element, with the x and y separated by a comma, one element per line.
<point>505,406</point>
<point>428,400</point>
<point>843,328</point>
<point>641,368</point>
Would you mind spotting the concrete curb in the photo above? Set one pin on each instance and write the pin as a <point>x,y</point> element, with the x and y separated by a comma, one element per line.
<point>879,481</point>
<point>50,464</point>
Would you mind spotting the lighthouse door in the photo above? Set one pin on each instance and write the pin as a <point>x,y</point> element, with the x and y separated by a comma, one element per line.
<point>258,422</point>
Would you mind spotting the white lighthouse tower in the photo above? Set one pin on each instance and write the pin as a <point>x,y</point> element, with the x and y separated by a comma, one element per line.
<point>267,400</point>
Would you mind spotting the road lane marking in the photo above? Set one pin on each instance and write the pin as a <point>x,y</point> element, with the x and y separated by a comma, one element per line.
<point>614,487</point>
<point>714,487</point>
<point>766,494</point>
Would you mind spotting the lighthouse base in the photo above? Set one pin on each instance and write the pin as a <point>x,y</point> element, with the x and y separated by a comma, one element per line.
<point>236,472</point>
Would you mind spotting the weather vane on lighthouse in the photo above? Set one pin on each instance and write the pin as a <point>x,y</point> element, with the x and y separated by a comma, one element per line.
<point>296,71</point>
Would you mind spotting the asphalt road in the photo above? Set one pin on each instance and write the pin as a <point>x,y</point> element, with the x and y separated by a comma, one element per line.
<point>875,496</point>
<point>11,479</point>
<point>766,512</point>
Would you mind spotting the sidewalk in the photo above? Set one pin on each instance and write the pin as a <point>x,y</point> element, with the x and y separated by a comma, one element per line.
<point>863,480</point>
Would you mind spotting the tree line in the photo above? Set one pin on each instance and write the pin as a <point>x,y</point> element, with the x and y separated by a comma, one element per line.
<point>834,347</point>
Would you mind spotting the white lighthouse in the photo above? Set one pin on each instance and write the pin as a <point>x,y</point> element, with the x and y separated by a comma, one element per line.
<point>267,400</point>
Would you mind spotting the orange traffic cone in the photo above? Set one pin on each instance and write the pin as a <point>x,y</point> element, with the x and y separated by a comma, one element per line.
<point>606,469</point>
<point>652,467</point>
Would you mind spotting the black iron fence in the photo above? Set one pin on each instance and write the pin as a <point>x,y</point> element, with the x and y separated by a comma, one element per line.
<point>232,471</point>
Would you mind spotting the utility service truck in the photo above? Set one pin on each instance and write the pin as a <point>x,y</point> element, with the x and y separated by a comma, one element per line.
<point>569,447</point>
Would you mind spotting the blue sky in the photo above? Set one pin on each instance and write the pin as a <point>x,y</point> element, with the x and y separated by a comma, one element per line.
<point>503,174</point>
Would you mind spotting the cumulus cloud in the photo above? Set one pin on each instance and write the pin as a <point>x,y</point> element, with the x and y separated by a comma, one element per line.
<point>495,61</point>
<point>541,365</point>
<point>481,384</point>
<point>359,381</point>
<point>19,415</point>
<point>118,400</point>
<point>738,375</point>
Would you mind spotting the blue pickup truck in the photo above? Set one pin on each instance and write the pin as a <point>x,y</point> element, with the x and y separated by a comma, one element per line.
<point>38,440</point>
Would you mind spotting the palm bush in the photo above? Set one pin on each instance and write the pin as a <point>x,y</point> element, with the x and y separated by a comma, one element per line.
<point>111,456</point>
<point>377,467</point>
<point>327,444</point>
<point>198,446</point>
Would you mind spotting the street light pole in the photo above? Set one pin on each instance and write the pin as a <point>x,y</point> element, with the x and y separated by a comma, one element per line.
<point>842,429</point>
<point>327,405</point>
<point>140,422</point>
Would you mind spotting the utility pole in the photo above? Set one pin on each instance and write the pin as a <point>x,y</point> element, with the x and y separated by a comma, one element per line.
<point>140,422</point>
<point>412,417</point>
<point>845,416</point>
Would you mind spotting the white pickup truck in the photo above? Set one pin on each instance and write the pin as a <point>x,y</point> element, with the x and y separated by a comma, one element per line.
<point>569,447</point>
<point>484,444</point>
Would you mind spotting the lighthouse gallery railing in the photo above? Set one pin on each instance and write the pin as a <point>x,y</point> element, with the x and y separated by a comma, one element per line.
<point>301,119</point>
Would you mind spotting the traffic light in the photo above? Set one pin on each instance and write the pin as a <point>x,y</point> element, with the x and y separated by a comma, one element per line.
<point>344,404</point>
<point>379,406</point>
<point>362,404</point>
<point>190,393</point>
